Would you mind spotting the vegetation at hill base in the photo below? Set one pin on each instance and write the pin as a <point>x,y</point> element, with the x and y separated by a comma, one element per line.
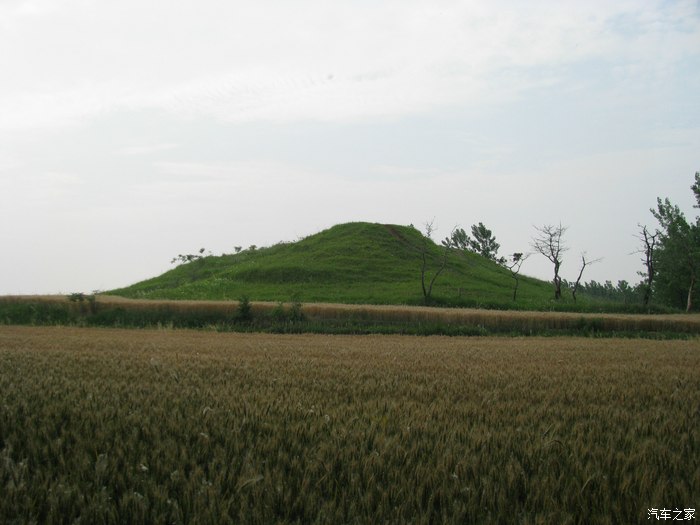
<point>334,318</point>
<point>365,263</point>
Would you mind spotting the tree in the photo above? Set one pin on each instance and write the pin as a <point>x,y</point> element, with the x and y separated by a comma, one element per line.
<point>548,242</point>
<point>189,257</point>
<point>678,254</point>
<point>584,262</point>
<point>649,243</point>
<point>460,240</point>
<point>483,241</point>
<point>628,294</point>
<point>623,292</point>
<point>197,258</point>
<point>514,263</point>
<point>425,248</point>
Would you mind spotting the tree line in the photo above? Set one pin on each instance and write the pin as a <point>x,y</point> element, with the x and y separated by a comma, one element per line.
<point>670,254</point>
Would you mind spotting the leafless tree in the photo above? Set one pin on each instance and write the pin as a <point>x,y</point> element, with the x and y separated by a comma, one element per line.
<point>514,263</point>
<point>649,242</point>
<point>584,262</point>
<point>548,242</point>
<point>447,244</point>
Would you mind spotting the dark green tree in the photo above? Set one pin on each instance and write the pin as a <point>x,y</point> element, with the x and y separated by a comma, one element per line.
<point>677,258</point>
<point>460,240</point>
<point>482,241</point>
<point>696,189</point>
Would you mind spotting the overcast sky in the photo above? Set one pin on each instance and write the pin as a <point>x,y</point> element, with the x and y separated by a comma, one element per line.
<point>132,131</point>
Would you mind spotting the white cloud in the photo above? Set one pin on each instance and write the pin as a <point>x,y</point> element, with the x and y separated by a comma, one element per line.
<point>244,61</point>
<point>147,149</point>
<point>8,162</point>
<point>131,130</point>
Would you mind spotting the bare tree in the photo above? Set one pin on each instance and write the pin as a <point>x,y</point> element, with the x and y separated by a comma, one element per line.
<point>514,263</point>
<point>649,242</point>
<point>548,242</point>
<point>447,244</point>
<point>584,262</point>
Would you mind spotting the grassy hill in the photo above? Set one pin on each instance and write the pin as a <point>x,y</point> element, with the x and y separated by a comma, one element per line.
<point>348,263</point>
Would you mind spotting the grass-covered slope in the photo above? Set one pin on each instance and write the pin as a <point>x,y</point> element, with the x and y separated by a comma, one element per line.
<point>348,263</point>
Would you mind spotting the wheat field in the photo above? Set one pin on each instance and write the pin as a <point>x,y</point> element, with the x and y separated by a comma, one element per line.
<point>175,426</point>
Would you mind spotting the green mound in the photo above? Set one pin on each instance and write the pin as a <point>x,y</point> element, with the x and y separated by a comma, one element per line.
<point>348,263</point>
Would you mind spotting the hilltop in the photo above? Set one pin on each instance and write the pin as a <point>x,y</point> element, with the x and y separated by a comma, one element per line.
<point>348,263</point>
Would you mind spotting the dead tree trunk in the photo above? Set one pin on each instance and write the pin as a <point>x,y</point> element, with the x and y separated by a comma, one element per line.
<point>548,242</point>
<point>649,243</point>
<point>584,262</point>
<point>428,291</point>
<point>517,260</point>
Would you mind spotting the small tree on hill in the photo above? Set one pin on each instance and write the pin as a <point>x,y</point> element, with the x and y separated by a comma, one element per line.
<point>189,257</point>
<point>197,259</point>
<point>425,248</point>
<point>514,263</point>
<point>460,240</point>
<point>482,241</point>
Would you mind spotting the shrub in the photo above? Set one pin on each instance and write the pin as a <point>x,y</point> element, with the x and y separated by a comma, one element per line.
<point>245,312</point>
<point>295,313</point>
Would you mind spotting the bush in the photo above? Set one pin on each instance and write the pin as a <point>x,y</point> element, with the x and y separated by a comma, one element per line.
<point>295,313</point>
<point>278,313</point>
<point>245,311</point>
